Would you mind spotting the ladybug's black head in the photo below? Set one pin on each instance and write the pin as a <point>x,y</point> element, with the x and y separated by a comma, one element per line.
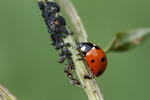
<point>85,47</point>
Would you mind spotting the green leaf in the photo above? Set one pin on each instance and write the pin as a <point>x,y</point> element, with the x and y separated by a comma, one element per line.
<point>127,40</point>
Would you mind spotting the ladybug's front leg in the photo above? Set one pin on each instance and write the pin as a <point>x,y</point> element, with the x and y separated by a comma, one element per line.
<point>81,56</point>
<point>90,75</point>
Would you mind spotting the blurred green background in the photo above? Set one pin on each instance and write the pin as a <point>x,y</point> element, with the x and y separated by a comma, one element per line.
<point>28,63</point>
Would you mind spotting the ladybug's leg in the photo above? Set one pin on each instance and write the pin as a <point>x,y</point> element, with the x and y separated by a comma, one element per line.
<point>90,76</point>
<point>87,77</point>
<point>81,56</point>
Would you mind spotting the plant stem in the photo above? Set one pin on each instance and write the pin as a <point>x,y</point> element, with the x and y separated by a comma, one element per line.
<point>109,46</point>
<point>74,19</point>
<point>5,94</point>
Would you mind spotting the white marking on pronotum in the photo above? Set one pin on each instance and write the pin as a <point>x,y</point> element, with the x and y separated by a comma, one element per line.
<point>83,48</point>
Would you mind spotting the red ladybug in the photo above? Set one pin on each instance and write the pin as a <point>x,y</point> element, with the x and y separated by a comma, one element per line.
<point>95,57</point>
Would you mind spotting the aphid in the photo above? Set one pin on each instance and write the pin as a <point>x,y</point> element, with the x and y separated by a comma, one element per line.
<point>58,30</point>
<point>56,7</point>
<point>62,59</point>
<point>60,21</point>
<point>70,76</point>
<point>41,5</point>
<point>95,57</point>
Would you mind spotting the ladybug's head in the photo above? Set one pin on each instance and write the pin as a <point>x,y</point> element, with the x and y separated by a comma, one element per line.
<point>85,47</point>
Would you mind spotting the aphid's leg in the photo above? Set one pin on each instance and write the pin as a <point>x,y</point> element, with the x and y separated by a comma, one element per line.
<point>70,76</point>
<point>67,69</point>
<point>75,82</point>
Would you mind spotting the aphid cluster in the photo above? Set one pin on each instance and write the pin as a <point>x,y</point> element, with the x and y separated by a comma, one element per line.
<point>58,30</point>
<point>56,25</point>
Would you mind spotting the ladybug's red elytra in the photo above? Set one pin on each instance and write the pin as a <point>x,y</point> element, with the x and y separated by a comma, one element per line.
<point>95,57</point>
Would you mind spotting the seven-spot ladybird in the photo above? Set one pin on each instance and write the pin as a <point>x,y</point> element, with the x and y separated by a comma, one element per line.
<point>95,57</point>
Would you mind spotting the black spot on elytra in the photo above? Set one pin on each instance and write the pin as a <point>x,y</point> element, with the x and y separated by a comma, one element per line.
<point>92,61</point>
<point>103,59</point>
<point>100,72</point>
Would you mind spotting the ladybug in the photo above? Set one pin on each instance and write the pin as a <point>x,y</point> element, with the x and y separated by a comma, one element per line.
<point>95,57</point>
